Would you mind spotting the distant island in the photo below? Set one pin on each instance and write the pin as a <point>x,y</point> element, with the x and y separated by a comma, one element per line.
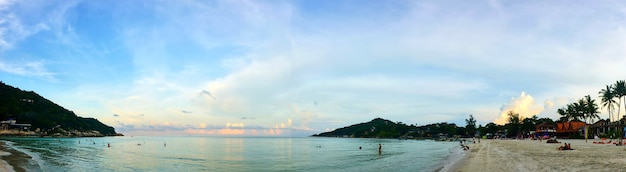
<point>383,128</point>
<point>26,113</point>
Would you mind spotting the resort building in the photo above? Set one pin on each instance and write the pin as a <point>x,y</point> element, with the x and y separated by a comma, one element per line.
<point>545,129</point>
<point>12,124</point>
<point>561,129</point>
<point>607,129</point>
<point>569,129</point>
<point>601,128</point>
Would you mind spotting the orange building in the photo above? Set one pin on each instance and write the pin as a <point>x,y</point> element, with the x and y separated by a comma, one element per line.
<point>568,128</point>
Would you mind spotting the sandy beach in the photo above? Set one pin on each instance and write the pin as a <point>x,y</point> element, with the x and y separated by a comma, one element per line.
<point>532,155</point>
<point>14,160</point>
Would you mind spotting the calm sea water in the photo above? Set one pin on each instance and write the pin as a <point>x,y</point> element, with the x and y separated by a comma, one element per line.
<point>191,153</point>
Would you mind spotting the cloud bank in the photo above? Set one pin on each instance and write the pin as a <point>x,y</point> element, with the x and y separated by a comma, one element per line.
<point>321,64</point>
<point>524,105</point>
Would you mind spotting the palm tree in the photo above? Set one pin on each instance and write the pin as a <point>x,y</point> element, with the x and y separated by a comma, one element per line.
<point>564,115</point>
<point>591,109</point>
<point>569,110</point>
<point>577,110</point>
<point>607,99</point>
<point>561,111</point>
<point>619,89</point>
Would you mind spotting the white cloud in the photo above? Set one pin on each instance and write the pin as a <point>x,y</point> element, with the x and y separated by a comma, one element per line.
<point>234,60</point>
<point>30,69</point>
<point>12,29</point>
<point>524,105</point>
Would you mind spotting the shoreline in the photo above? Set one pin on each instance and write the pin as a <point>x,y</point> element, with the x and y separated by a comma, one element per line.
<point>456,158</point>
<point>532,155</point>
<point>451,161</point>
<point>12,159</point>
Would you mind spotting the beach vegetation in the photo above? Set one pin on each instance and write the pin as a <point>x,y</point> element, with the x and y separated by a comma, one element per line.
<point>591,110</point>
<point>584,110</point>
<point>528,124</point>
<point>514,124</point>
<point>607,98</point>
<point>491,128</point>
<point>470,126</point>
<point>619,91</point>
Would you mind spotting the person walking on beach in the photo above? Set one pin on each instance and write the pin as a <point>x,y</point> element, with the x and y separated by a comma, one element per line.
<point>380,149</point>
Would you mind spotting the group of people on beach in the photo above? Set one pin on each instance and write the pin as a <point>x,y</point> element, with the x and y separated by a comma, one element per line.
<point>567,146</point>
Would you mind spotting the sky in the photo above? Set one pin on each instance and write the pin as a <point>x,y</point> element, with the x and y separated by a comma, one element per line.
<point>296,68</point>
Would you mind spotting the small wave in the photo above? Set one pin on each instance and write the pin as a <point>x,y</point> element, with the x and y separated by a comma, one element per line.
<point>28,161</point>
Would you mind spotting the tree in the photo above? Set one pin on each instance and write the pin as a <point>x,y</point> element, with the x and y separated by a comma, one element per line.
<point>573,112</point>
<point>619,89</point>
<point>607,97</point>
<point>564,115</point>
<point>514,123</point>
<point>528,124</point>
<point>580,108</point>
<point>471,126</point>
<point>590,111</point>
<point>481,130</point>
<point>545,120</point>
<point>492,128</point>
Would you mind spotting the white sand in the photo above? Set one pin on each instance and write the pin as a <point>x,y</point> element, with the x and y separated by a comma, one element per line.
<point>529,155</point>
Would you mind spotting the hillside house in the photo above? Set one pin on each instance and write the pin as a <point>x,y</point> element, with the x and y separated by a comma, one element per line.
<point>12,124</point>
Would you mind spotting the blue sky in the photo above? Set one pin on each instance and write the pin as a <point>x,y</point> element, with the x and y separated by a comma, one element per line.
<point>296,68</point>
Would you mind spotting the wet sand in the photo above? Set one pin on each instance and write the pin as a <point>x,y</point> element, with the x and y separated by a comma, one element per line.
<point>14,160</point>
<point>532,155</point>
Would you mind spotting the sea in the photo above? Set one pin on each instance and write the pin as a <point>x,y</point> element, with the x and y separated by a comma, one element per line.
<point>203,153</point>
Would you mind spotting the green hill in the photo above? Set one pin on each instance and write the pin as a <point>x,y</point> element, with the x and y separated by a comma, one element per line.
<point>28,107</point>
<point>377,128</point>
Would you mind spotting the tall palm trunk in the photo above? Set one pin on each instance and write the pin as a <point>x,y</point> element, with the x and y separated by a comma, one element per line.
<point>619,108</point>
<point>620,128</point>
<point>618,117</point>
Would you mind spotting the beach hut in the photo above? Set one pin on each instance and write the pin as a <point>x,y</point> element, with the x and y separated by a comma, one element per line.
<point>569,129</point>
